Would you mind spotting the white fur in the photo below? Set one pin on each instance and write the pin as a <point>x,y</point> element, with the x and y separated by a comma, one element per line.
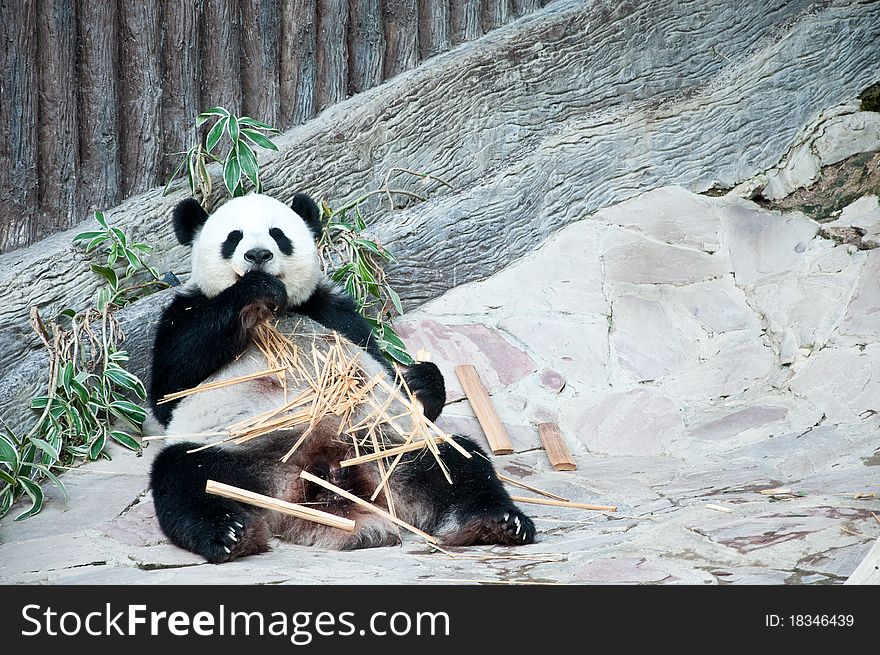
<point>255,215</point>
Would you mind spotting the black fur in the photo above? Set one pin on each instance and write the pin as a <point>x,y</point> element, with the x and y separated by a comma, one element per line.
<point>189,217</point>
<point>309,212</point>
<point>231,243</point>
<point>284,244</point>
<point>198,336</point>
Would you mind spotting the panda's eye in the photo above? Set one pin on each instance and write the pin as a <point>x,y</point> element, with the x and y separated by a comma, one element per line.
<point>231,243</point>
<point>284,244</point>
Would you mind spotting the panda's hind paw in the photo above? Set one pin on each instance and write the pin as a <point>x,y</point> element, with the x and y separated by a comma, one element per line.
<point>232,536</point>
<point>514,528</point>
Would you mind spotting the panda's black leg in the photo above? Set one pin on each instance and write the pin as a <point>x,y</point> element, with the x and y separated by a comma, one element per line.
<point>425,381</point>
<point>475,509</point>
<point>216,528</point>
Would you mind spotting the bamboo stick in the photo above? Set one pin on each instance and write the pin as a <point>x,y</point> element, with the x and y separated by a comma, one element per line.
<point>557,449</point>
<point>390,452</point>
<point>219,384</point>
<point>567,503</point>
<point>529,487</point>
<point>305,475</point>
<point>259,500</point>
<point>496,433</point>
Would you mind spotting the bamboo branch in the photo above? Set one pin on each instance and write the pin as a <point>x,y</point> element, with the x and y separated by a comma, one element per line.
<point>567,503</point>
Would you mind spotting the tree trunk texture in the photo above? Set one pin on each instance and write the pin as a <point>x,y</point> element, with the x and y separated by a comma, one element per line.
<point>99,116</point>
<point>578,106</point>
<point>466,23</point>
<point>19,113</point>
<point>299,46</point>
<point>401,36</point>
<point>58,146</point>
<point>141,94</point>
<point>260,60</point>
<point>332,60</point>
<point>100,98</point>
<point>366,45</point>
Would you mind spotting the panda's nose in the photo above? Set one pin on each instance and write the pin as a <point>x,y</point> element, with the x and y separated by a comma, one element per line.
<point>258,256</point>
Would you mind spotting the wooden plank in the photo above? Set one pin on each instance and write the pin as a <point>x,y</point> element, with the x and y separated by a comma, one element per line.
<point>434,36</point>
<point>220,52</point>
<point>58,142</point>
<point>557,449</point>
<point>260,63</point>
<point>99,179</point>
<point>493,428</point>
<point>181,62</point>
<point>465,20</point>
<point>332,53</point>
<point>298,79</point>
<point>401,36</point>
<point>140,93</point>
<point>366,45</point>
<point>868,571</point>
<point>267,502</point>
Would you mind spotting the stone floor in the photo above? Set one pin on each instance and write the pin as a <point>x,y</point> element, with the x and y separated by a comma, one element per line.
<point>694,350</point>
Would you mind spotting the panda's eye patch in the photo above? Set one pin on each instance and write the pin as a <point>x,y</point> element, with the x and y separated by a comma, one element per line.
<point>284,244</point>
<point>231,243</point>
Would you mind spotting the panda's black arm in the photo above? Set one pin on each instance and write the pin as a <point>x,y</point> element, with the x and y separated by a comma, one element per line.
<point>335,310</point>
<point>197,335</point>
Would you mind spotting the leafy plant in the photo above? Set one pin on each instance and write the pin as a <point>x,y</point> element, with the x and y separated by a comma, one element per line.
<point>357,261</point>
<point>87,403</point>
<point>242,134</point>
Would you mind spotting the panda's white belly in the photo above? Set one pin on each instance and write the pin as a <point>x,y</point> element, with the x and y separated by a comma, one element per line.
<point>216,410</point>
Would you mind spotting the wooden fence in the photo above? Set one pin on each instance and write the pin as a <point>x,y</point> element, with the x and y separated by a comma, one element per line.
<point>98,96</point>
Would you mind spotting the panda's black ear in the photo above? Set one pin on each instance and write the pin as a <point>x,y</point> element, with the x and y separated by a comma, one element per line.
<point>189,216</point>
<point>309,212</point>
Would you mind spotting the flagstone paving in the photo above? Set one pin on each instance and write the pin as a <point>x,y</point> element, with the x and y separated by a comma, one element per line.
<point>694,350</point>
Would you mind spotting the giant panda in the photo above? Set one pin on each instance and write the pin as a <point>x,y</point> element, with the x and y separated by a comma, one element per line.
<point>254,259</point>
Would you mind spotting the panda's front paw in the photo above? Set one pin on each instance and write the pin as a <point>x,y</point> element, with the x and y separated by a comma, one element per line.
<point>223,539</point>
<point>425,381</point>
<point>257,286</point>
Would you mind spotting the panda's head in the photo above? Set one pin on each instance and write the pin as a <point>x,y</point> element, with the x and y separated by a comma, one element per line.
<point>253,232</point>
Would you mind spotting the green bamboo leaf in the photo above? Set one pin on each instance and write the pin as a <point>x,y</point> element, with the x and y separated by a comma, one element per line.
<point>232,128</point>
<point>133,260</point>
<point>103,299</point>
<point>215,134</point>
<point>46,447</point>
<point>8,454</point>
<point>395,299</point>
<point>129,411</point>
<point>251,122</point>
<point>99,216</point>
<point>208,113</point>
<point>80,390</point>
<point>40,402</point>
<point>259,139</point>
<point>120,235</point>
<point>53,478</point>
<point>66,376</point>
<point>232,171</point>
<point>5,501</point>
<point>96,447</point>
<point>82,236</point>
<point>249,165</point>
<point>125,439</point>
<point>36,493</point>
<point>107,273</point>
<point>8,479</point>
<point>97,241</point>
